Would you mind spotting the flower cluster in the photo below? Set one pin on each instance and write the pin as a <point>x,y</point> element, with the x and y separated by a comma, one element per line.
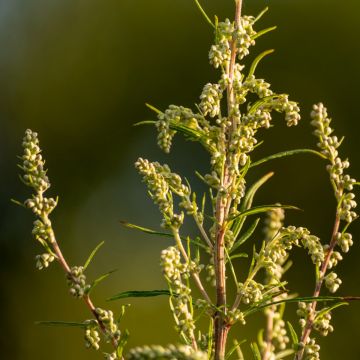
<point>285,239</point>
<point>76,280</point>
<point>176,273</point>
<point>92,337</point>
<point>35,176</point>
<point>251,292</point>
<point>111,328</point>
<point>329,145</point>
<point>171,352</point>
<point>33,163</point>
<point>244,36</point>
<point>161,183</point>
<point>173,115</point>
<point>210,100</point>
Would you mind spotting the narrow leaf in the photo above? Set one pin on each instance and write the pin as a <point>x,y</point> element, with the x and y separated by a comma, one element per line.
<point>282,354</point>
<point>60,323</point>
<point>17,203</point>
<point>240,255</point>
<point>93,253</point>
<point>139,293</point>
<point>287,153</point>
<point>247,202</point>
<point>261,14</point>
<point>145,122</point>
<point>263,32</point>
<point>153,108</point>
<point>264,208</point>
<point>255,351</point>
<point>204,13</point>
<point>158,233</point>
<point>257,60</point>
<point>99,280</point>
<point>145,230</point>
<point>294,337</point>
<point>323,312</point>
<point>246,235</point>
<point>122,342</point>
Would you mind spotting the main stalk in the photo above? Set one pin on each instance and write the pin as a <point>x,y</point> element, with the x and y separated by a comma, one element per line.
<point>223,203</point>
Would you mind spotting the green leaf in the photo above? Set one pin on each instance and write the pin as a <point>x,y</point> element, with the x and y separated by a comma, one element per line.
<point>122,342</point>
<point>263,32</point>
<point>145,122</point>
<point>323,312</point>
<point>257,60</point>
<point>287,153</point>
<point>159,233</point>
<point>93,253</point>
<point>139,293</point>
<point>245,236</point>
<point>264,208</point>
<point>153,108</point>
<point>236,347</point>
<point>261,14</point>
<point>204,13</point>
<point>247,202</point>
<point>145,230</point>
<point>240,255</point>
<point>61,323</point>
<point>18,203</point>
<point>99,280</point>
<point>255,351</point>
<point>282,354</point>
<point>294,337</point>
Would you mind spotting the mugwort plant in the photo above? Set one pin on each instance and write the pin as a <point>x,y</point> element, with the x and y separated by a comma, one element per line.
<point>226,122</point>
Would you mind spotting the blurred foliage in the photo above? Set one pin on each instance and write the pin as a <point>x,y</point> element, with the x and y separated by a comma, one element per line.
<point>79,73</point>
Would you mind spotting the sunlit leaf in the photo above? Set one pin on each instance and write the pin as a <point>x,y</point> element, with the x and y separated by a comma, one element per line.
<point>93,253</point>
<point>139,293</point>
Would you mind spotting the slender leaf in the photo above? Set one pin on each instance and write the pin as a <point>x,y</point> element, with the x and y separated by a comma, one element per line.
<point>245,236</point>
<point>263,32</point>
<point>294,337</point>
<point>122,342</point>
<point>240,255</point>
<point>159,233</point>
<point>17,203</point>
<point>204,13</point>
<point>235,347</point>
<point>257,60</point>
<point>139,293</point>
<point>247,202</point>
<point>61,323</point>
<point>282,354</point>
<point>99,280</point>
<point>93,253</point>
<point>261,14</point>
<point>145,122</point>
<point>145,230</point>
<point>287,153</point>
<point>153,108</point>
<point>323,312</point>
<point>264,208</point>
<point>255,351</point>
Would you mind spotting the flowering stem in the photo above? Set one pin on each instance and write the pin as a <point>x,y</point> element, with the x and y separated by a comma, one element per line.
<point>194,275</point>
<point>310,321</point>
<point>60,258</point>
<point>221,328</point>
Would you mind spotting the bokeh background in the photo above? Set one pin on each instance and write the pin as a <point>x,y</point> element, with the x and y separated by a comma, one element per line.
<point>79,73</point>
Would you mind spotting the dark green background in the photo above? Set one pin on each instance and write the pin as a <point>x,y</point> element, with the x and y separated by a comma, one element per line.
<point>79,73</point>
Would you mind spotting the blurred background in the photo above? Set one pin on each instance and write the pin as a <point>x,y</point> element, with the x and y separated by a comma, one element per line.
<point>79,73</point>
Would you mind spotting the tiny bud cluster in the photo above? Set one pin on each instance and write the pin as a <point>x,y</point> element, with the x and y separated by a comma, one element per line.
<point>176,273</point>
<point>76,280</point>
<point>92,337</point>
